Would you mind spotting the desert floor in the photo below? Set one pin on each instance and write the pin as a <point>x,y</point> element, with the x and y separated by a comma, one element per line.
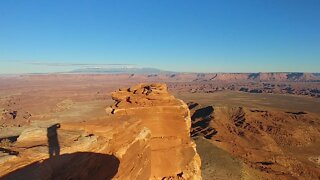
<point>238,135</point>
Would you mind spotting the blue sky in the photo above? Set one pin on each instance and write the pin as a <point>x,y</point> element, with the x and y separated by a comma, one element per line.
<point>176,35</point>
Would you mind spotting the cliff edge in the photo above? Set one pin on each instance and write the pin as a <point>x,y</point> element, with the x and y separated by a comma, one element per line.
<point>173,153</point>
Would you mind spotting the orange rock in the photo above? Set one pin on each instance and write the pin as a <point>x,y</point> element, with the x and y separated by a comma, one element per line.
<point>173,153</point>
<point>145,136</point>
<point>95,150</point>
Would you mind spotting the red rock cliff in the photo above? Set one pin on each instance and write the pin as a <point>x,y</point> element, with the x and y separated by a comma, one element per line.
<point>173,153</point>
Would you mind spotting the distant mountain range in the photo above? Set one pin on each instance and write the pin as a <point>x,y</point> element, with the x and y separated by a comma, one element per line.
<point>274,76</point>
<point>177,76</point>
<point>121,70</point>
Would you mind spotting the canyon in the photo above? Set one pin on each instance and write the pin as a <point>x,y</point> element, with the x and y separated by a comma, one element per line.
<point>171,126</point>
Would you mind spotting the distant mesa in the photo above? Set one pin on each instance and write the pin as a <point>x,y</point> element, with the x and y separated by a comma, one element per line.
<point>204,77</point>
<point>276,76</point>
<point>123,70</point>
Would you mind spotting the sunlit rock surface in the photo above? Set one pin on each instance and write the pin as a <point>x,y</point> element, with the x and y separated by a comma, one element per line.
<point>145,135</point>
<point>95,150</point>
<point>173,153</point>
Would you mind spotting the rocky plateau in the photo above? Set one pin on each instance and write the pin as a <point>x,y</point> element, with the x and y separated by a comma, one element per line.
<point>144,135</point>
<point>234,126</point>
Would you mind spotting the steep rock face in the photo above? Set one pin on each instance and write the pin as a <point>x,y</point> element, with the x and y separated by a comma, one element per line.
<point>144,136</point>
<point>271,144</point>
<point>173,153</point>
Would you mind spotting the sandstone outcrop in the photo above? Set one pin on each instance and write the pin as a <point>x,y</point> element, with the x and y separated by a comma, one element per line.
<point>173,153</point>
<point>96,150</point>
<point>145,136</point>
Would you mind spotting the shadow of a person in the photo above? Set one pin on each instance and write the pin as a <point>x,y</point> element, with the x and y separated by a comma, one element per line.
<point>53,142</point>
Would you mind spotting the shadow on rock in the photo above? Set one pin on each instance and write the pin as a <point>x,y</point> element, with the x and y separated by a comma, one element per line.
<point>80,165</point>
<point>192,105</point>
<point>9,151</point>
<point>53,142</point>
<point>10,139</point>
<point>201,119</point>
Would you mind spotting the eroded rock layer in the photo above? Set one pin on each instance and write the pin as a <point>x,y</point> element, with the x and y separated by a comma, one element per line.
<point>270,144</point>
<point>100,149</point>
<point>173,153</point>
<point>144,136</point>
